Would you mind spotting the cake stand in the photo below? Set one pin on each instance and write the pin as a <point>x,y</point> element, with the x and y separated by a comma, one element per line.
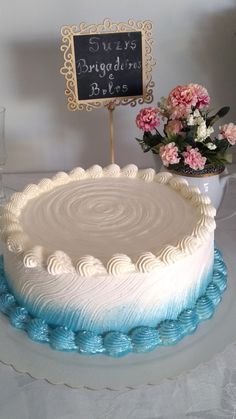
<point>134,370</point>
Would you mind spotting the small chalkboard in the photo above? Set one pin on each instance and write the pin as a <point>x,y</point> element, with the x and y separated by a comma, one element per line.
<point>107,63</point>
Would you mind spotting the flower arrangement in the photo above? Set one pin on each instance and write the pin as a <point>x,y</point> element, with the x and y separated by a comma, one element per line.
<point>186,143</point>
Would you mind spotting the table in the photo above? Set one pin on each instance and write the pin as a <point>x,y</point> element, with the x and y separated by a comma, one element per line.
<point>207,392</point>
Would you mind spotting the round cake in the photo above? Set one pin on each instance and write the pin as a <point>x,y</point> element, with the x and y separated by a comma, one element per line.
<point>97,254</point>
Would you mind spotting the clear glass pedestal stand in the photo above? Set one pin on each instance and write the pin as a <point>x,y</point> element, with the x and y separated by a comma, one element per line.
<point>5,192</point>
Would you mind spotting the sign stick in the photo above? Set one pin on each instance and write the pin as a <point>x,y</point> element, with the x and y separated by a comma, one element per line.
<point>111,108</point>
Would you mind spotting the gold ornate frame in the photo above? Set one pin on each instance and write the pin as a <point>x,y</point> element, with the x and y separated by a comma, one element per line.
<point>69,71</point>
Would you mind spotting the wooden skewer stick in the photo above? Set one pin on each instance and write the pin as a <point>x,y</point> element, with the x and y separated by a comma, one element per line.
<point>111,108</point>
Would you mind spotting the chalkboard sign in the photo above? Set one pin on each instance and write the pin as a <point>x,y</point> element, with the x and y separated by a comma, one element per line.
<point>107,63</point>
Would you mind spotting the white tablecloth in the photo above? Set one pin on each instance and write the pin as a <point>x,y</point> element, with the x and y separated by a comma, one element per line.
<point>208,392</point>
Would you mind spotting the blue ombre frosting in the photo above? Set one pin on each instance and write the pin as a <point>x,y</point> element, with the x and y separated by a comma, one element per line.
<point>117,343</point>
<point>89,342</point>
<point>213,293</point>
<point>19,317</point>
<point>38,330</point>
<point>7,302</point>
<point>145,339</point>
<point>123,316</point>
<point>220,279</point>
<point>63,339</point>
<point>3,284</point>
<point>204,308</point>
<point>189,320</point>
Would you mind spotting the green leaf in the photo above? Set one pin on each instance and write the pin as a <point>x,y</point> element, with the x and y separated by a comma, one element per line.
<point>220,114</point>
<point>223,111</point>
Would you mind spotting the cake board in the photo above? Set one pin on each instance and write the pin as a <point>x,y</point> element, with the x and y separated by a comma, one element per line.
<point>132,371</point>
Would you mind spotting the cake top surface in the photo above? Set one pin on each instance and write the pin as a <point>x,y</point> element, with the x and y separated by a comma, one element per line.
<point>107,220</point>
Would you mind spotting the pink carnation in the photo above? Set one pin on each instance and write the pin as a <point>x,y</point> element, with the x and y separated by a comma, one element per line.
<point>173,127</point>
<point>228,132</point>
<point>194,159</point>
<point>182,95</point>
<point>180,112</point>
<point>169,154</point>
<point>182,98</point>
<point>147,119</point>
<point>201,94</point>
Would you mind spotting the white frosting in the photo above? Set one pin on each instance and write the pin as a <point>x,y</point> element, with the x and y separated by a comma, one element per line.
<point>89,266</point>
<point>17,242</point>
<point>207,209</point>
<point>120,264</point>
<point>170,254</point>
<point>77,174</point>
<point>59,263</point>
<point>33,257</point>
<point>107,220</point>
<point>113,170</point>
<point>61,178</point>
<point>46,184</point>
<point>129,171</point>
<point>31,191</point>
<point>163,177</point>
<point>146,174</point>
<point>148,262</point>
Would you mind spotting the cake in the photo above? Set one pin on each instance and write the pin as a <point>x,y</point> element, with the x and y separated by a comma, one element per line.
<point>109,260</point>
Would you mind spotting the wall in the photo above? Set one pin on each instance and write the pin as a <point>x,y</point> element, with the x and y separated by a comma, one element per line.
<point>194,41</point>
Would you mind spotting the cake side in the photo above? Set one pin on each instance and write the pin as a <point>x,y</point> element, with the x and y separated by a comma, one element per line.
<point>104,303</point>
<point>116,344</point>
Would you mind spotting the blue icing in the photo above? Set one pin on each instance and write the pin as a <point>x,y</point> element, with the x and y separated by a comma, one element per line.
<point>213,292</point>
<point>220,280</point>
<point>171,331</point>
<point>117,344</point>
<point>38,330</point>
<point>19,317</point>
<point>141,339</point>
<point>89,342</point>
<point>217,254</point>
<point>204,308</point>
<point>7,302</point>
<point>3,284</point>
<point>189,320</point>
<point>219,265</point>
<point>145,338</point>
<point>63,339</point>
<point>1,265</point>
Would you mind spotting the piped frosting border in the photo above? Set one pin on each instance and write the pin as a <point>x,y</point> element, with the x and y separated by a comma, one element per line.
<point>59,262</point>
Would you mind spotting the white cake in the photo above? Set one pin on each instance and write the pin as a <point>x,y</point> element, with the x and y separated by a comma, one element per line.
<point>106,251</point>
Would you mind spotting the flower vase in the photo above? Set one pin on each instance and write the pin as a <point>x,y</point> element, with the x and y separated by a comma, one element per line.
<point>211,181</point>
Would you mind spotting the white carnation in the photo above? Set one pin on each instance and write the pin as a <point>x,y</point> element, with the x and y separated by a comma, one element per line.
<point>210,130</point>
<point>199,120</point>
<point>190,120</point>
<point>211,146</point>
<point>195,119</point>
<point>202,131</point>
<point>196,113</point>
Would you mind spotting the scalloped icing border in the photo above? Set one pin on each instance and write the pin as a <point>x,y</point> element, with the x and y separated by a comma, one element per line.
<point>59,262</point>
<point>116,344</point>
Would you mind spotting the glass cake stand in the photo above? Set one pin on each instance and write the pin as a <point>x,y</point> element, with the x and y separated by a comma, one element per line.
<point>134,370</point>
<point>5,192</point>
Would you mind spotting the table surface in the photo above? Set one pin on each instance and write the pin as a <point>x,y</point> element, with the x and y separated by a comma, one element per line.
<point>207,392</point>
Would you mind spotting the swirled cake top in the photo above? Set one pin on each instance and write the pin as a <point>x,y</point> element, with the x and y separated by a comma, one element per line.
<point>107,220</point>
